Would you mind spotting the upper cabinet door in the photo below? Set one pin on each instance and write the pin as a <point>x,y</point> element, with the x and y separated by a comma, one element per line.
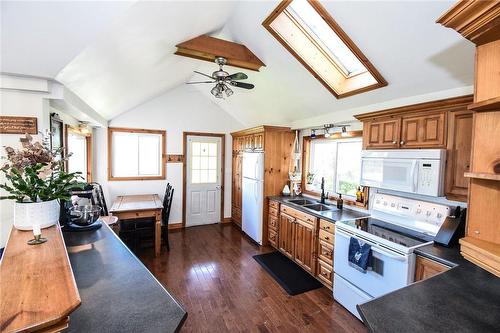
<point>258,141</point>
<point>382,133</point>
<point>423,131</point>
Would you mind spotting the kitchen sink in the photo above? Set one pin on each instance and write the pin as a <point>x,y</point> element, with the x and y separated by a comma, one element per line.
<point>319,207</point>
<point>301,202</point>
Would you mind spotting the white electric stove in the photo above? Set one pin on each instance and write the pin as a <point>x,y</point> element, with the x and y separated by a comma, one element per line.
<point>396,227</point>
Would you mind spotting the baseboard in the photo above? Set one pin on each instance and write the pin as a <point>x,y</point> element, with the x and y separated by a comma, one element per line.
<point>173,226</point>
<point>227,220</point>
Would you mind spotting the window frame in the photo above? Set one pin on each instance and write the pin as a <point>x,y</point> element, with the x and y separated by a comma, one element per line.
<point>163,156</point>
<point>380,81</point>
<point>306,154</point>
<point>88,141</point>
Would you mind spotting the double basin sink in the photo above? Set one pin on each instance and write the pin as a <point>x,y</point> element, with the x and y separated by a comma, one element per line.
<point>312,205</point>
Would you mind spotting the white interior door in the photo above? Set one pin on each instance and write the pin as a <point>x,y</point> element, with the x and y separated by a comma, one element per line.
<point>203,180</point>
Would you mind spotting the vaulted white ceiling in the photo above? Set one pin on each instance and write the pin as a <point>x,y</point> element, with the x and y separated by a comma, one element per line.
<point>131,60</point>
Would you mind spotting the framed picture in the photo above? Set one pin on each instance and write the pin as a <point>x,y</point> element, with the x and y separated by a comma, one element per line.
<point>56,132</point>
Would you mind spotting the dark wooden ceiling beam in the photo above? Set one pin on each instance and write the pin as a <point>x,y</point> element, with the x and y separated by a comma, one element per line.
<point>208,48</point>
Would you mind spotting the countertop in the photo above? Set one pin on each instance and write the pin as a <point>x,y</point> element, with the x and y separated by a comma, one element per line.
<point>334,215</point>
<point>118,293</point>
<point>465,298</point>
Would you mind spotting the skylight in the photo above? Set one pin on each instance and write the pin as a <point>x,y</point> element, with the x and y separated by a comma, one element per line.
<point>308,31</point>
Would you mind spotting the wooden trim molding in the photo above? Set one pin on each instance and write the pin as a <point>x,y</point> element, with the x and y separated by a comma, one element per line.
<point>260,129</point>
<point>184,169</point>
<point>175,226</point>
<point>448,104</point>
<point>476,20</point>
<point>380,81</point>
<point>208,48</point>
<point>163,133</point>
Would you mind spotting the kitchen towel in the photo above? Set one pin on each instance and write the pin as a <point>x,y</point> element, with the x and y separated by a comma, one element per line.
<point>359,254</point>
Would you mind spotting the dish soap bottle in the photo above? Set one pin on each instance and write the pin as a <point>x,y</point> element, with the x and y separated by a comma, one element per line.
<point>359,195</point>
<point>340,202</point>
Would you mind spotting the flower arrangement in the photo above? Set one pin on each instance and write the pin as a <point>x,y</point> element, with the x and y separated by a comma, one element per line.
<point>34,174</point>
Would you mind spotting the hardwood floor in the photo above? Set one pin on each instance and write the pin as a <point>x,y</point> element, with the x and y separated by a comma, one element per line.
<point>210,270</point>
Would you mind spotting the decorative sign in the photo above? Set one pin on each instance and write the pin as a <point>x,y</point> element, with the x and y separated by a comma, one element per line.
<point>175,158</point>
<point>18,125</point>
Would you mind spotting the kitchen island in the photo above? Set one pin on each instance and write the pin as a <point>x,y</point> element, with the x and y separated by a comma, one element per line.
<point>117,291</point>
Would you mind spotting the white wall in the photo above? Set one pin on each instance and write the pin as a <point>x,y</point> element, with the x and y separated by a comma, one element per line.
<point>22,103</point>
<point>179,110</point>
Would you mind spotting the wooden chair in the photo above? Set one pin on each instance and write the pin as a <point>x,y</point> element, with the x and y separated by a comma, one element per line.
<point>165,214</point>
<point>99,200</point>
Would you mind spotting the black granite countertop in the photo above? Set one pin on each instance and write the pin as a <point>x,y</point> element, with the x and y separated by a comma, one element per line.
<point>465,298</point>
<point>118,292</point>
<point>333,215</point>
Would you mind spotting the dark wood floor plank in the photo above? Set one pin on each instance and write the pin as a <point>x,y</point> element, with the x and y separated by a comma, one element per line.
<point>210,270</point>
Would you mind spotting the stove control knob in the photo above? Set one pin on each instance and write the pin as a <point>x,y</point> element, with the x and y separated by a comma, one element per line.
<point>377,202</point>
<point>419,211</point>
<point>385,203</point>
<point>439,215</point>
<point>393,204</point>
<point>429,213</point>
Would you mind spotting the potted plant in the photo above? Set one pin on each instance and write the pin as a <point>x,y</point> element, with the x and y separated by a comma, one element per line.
<point>36,180</point>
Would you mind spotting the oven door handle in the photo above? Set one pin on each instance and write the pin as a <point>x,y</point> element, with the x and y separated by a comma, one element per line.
<point>374,246</point>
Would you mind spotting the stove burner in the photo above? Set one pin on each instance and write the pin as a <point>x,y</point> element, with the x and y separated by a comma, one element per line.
<point>388,231</point>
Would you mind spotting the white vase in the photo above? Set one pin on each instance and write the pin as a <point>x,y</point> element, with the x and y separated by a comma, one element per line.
<point>45,213</point>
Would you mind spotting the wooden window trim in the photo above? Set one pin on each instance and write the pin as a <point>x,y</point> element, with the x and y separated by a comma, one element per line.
<point>163,133</point>
<point>306,150</point>
<point>381,82</point>
<point>88,142</point>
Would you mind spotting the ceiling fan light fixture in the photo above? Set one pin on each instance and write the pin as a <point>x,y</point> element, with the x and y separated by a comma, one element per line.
<point>229,91</point>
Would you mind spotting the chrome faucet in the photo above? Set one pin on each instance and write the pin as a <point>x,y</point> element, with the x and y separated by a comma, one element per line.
<point>323,196</point>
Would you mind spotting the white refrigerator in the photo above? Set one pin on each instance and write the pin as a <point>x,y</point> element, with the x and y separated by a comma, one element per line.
<point>253,195</point>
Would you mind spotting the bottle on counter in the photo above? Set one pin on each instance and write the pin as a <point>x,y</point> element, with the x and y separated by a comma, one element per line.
<point>359,195</point>
<point>340,202</point>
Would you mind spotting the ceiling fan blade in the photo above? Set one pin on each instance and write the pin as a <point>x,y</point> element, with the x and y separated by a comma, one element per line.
<point>200,82</point>
<point>242,85</point>
<point>237,76</point>
<point>204,74</point>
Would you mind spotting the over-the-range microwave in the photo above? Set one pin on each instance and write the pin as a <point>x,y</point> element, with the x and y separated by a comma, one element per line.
<point>419,171</point>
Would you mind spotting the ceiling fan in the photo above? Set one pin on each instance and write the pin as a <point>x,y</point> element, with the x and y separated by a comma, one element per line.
<point>223,80</point>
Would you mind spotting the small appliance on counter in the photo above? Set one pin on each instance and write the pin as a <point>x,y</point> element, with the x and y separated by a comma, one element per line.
<point>80,214</point>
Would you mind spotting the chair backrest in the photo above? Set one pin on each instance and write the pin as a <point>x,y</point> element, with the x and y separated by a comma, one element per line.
<point>98,198</point>
<point>167,203</point>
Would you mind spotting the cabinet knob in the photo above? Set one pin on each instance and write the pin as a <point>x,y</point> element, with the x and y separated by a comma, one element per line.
<point>402,142</point>
<point>394,142</point>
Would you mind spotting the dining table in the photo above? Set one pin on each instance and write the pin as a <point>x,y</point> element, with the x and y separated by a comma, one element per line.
<point>128,207</point>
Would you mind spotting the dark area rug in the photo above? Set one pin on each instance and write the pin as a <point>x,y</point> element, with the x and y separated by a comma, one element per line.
<point>290,276</point>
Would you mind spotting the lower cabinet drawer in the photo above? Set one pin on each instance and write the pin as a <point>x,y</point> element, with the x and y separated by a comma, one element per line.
<point>326,236</point>
<point>272,222</point>
<point>273,238</point>
<point>325,251</point>
<point>325,273</point>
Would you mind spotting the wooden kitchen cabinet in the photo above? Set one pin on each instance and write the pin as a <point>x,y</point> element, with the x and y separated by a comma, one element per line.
<point>426,268</point>
<point>305,242</point>
<point>415,126</point>
<point>273,223</point>
<point>381,133</point>
<point>276,143</point>
<point>423,131</point>
<point>286,238</point>
<point>458,154</point>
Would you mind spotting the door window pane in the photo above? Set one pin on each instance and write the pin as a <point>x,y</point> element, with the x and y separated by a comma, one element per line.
<point>204,162</point>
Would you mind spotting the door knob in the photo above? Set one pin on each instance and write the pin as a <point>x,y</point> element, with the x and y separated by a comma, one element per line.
<point>218,187</point>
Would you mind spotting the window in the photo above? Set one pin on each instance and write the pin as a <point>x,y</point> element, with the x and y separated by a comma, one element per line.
<point>203,162</point>
<point>338,161</point>
<point>308,31</point>
<point>79,147</point>
<point>136,154</point>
